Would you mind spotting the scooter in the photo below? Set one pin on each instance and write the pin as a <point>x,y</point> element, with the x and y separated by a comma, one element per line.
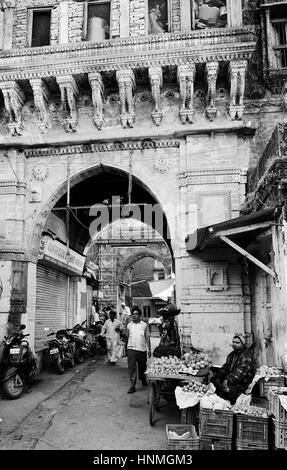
<point>18,364</point>
<point>84,340</point>
<point>62,349</point>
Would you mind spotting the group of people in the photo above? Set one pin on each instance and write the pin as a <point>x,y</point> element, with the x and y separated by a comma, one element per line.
<point>127,335</point>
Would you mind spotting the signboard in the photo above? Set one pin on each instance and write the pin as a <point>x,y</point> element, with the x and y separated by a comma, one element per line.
<point>54,251</point>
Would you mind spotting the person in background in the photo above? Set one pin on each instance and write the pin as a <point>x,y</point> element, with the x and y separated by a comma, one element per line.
<point>137,348</point>
<point>94,317</point>
<point>125,314</point>
<point>233,378</point>
<point>112,337</point>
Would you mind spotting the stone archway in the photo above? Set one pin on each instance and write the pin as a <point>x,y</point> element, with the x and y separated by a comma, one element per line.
<point>147,253</point>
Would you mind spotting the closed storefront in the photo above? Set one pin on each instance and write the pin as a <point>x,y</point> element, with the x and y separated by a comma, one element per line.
<point>51,303</point>
<point>56,302</point>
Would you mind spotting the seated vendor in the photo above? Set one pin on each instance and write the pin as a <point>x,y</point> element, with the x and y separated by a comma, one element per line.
<point>233,378</point>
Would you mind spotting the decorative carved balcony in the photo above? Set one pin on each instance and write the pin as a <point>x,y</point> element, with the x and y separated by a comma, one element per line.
<point>66,65</point>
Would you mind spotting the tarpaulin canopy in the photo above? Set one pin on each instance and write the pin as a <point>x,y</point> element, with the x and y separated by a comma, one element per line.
<point>162,289</point>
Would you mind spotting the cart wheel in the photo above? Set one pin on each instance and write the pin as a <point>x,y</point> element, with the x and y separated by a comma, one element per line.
<point>152,407</point>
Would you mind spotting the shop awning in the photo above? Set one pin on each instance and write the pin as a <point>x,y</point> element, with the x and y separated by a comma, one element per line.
<point>162,289</point>
<point>231,230</point>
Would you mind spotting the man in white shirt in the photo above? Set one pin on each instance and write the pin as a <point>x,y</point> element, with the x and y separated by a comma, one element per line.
<point>137,348</point>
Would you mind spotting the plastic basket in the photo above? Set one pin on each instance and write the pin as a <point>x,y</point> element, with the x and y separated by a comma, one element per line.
<point>275,407</point>
<point>280,434</point>
<point>265,386</point>
<point>215,443</point>
<point>252,429</point>
<point>243,445</point>
<point>216,423</point>
<point>182,444</point>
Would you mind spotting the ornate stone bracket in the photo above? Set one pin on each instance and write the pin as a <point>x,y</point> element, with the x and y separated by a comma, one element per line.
<point>13,99</point>
<point>69,95</point>
<point>41,97</point>
<point>155,78</point>
<point>97,86</point>
<point>237,72</point>
<point>126,83</point>
<point>211,77</point>
<point>185,77</point>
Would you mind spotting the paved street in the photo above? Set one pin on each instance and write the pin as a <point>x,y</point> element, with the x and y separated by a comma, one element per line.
<point>92,410</point>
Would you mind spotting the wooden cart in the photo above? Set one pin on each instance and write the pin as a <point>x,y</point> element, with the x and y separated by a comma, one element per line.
<point>156,384</point>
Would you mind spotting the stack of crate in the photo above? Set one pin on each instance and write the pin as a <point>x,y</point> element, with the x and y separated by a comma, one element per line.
<point>279,416</point>
<point>185,443</point>
<point>216,429</point>
<point>266,385</point>
<point>252,432</point>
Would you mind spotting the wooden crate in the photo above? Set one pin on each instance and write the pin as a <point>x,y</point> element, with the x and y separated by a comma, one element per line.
<point>275,407</point>
<point>243,445</point>
<point>215,443</point>
<point>265,386</point>
<point>216,423</point>
<point>280,435</point>
<point>252,429</point>
<point>182,444</point>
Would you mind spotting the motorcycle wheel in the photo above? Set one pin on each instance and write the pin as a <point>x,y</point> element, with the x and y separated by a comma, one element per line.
<point>79,356</point>
<point>60,366</point>
<point>13,387</point>
<point>91,350</point>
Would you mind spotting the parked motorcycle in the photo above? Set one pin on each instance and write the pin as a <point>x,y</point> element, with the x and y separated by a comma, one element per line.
<point>62,349</point>
<point>18,365</point>
<point>84,340</point>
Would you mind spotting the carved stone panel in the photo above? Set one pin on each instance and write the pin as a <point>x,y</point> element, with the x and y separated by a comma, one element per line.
<point>237,71</point>
<point>97,86</point>
<point>185,76</point>
<point>126,83</point>
<point>155,78</point>
<point>41,97</point>
<point>211,78</point>
<point>217,279</point>
<point>13,100</point>
<point>69,95</point>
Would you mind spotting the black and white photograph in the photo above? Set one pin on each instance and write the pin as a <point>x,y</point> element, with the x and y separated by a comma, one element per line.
<point>143,231</point>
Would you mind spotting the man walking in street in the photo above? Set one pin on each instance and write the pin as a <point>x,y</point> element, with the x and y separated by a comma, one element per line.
<point>138,347</point>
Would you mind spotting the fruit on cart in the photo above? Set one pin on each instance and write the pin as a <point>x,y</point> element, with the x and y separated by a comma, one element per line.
<point>270,371</point>
<point>195,387</point>
<point>192,362</point>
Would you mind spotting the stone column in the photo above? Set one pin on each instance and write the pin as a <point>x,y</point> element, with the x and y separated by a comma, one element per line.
<point>237,72</point>
<point>185,77</point>
<point>126,83</point>
<point>185,15</point>
<point>155,78</point>
<point>124,18</point>
<point>13,100</point>
<point>8,7</point>
<point>234,13</point>
<point>69,95</point>
<point>41,97</point>
<point>211,78</point>
<point>97,86</point>
<point>64,21</point>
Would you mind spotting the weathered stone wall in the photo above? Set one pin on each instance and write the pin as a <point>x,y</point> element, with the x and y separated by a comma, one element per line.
<point>115,18</point>
<point>76,21</point>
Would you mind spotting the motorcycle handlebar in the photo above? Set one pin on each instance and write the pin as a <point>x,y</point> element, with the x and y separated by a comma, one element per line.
<point>50,334</point>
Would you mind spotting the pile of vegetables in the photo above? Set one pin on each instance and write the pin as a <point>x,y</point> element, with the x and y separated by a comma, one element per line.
<point>164,365</point>
<point>251,411</point>
<point>215,403</point>
<point>270,371</point>
<point>195,387</point>
<point>192,362</point>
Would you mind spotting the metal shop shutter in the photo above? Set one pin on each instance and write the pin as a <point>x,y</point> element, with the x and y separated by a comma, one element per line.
<point>51,303</point>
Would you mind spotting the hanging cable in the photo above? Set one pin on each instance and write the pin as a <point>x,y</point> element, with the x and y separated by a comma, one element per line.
<point>130,179</point>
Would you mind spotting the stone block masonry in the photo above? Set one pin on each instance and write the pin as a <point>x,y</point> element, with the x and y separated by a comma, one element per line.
<point>76,21</point>
<point>138,15</point>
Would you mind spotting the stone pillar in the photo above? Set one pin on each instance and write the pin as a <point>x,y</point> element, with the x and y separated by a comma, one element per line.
<point>185,15</point>
<point>155,78</point>
<point>234,13</point>
<point>97,86</point>
<point>126,83</point>
<point>124,19</point>
<point>13,100</point>
<point>185,77</point>
<point>211,78</point>
<point>69,95</point>
<point>64,21</point>
<point>237,72</point>
<point>8,7</point>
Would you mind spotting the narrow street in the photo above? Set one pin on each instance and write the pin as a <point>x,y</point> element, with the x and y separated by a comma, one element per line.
<point>92,410</point>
